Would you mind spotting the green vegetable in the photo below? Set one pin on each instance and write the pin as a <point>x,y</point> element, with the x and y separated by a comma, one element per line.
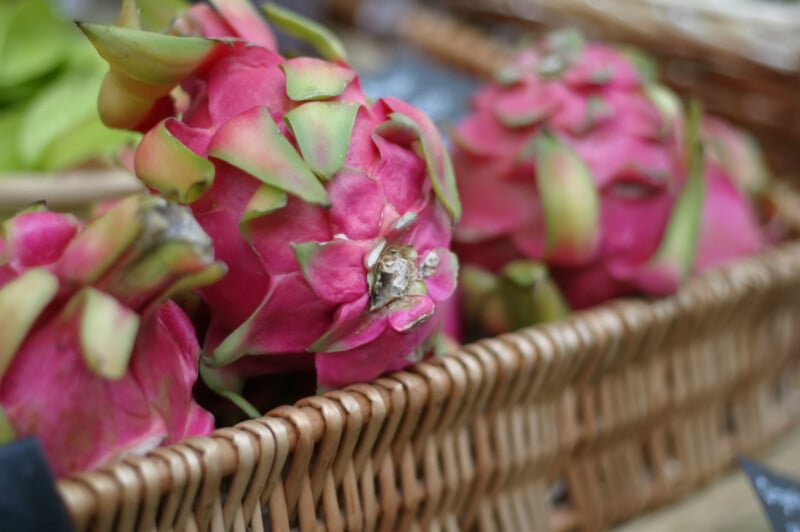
<point>50,77</point>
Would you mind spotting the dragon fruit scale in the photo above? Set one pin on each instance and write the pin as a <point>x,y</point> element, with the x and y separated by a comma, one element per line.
<point>333,213</point>
<point>94,360</point>
<point>574,159</point>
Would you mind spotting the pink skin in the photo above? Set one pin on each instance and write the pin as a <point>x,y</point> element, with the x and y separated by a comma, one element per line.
<point>37,239</point>
<point>231,18</point>
<point>451,318</point>
<point>626,246</point>
<point>85,421</point>
<point>728,228</point>
<point>367,362</point>
<point>82,419</point>
<point>322,304</point>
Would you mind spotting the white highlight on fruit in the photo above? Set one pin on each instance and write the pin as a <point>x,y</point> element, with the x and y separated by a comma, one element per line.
<point>372,257</point>
<point>430,264</point>
<point>406,220</point>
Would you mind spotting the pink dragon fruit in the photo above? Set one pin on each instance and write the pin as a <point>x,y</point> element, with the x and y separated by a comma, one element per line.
<point>333,214</point>
<point>575,159</point>
<point>610,209</point>
<point>93,358</point>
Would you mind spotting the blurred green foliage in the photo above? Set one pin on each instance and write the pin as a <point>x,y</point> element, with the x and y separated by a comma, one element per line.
<point>50,77</point>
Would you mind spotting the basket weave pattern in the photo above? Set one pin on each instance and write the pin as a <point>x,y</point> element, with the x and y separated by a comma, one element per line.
<point>630,404</point>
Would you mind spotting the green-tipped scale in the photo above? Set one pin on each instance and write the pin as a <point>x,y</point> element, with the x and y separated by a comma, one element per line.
<point>676,252</point>
<point>569,199</point>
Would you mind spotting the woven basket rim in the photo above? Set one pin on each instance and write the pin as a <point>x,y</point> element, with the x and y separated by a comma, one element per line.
<point>65,189</point>
<point>763,34</point>
<point>299,428</point>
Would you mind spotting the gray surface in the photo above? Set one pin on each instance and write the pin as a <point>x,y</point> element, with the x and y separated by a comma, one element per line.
<point>441,92</point>
<point>728,505</point>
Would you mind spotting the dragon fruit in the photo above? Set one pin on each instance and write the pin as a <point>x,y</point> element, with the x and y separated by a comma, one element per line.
<point>94,360</point>
<point>333,214</point>
<point>575,159</point>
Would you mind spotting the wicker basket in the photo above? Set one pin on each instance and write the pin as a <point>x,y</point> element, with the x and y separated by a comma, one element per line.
<point>72,190</point>
<point>574,425</point>
<point>624,407</point>
<point>741,57</point>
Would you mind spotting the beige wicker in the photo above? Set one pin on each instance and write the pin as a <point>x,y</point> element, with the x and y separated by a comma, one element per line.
<point>741,57</point>
<point>630,405</point>
<point>67,190</point>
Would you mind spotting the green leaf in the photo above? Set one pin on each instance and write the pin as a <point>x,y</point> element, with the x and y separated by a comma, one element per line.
<point>323,131</point>
<point>678,246</point>
<point>95,249</point>
<point>170,252</point>
<point>668,104</point>
<point>20,93</point>
<point>33,41</point>
<point>234,346</point>
<point>323,39</point>
<point>152,58</point>
<point>39,206</point>
<point>145,66</point>
<point>10,124</point>
<point>266,199</point>
<point>306,253</point>
<point>108,332</point>
<point>159,267</point>
<point>340,336</point>
<point>62,106</point>
<point>21,302</point>
<point>169,166</point>
<point>186,282</point>
<point>86,142</point>
<point>475,286</point>
<point>569,200</point>
<point>530,295</point>
<point>253,143</point>
<point>308,78</point>
<point>216,384</point>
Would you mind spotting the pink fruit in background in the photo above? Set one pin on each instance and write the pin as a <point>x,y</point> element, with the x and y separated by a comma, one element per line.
<point>738,185</point>
<point>333,214</point>
<point>729,227</point>
<point>93,358</point>
<point>575,159</point>
<point>737,152</point>
<point>226,19</point>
